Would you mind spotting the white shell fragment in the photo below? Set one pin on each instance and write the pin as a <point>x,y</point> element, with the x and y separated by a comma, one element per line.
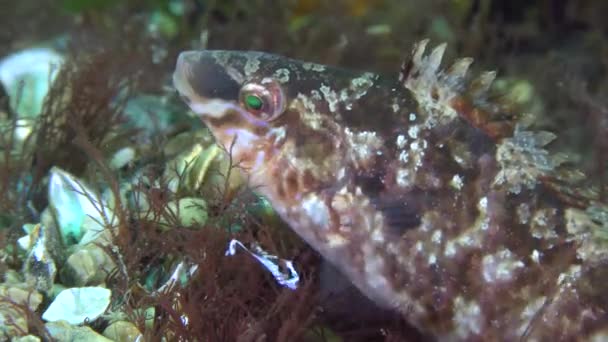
<point>288,279</point>
<point>78,209</point>
<point>27,76</point>
<point>75,305</point>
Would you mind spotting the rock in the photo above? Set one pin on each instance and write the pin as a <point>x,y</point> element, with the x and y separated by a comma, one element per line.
<point>39,267</point>
<point>63,331</point>
<point>87,266</point>
<point>12,277</point>
<point>77,304</point>
<point>43,252</point>
<point>22,296</point>
<point>122,331</point>
<point>191,211</point>
<point>27,338</point>
<point>187,212</point>
<point>13,317</point>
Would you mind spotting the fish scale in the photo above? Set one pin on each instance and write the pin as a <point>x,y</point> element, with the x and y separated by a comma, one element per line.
<point>426,196</point>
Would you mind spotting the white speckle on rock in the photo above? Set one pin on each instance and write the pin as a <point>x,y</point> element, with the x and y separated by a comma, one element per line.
<point>313,67</point>
<point>450,249</point>
<point>377,236</point>
<point>401,141</point>
<point>483,204</point>
<point>437,235</point>
<point>330,96</point>
<point>412,116</point>
<point>523,213</point>
<point>574,272</point>
<point>467,319</point>
<point>457,182</point>
<point>363,145</point>
<point>251,66</point>
<point>282,75</point>
<point>529,312</point>
<point>404,156</point>
<point>360,85</point>
<point>542,226</point>
<point>535,256</point>
<point>316,210</point>
<point>500,267</point>
<point>374,269</point>
<point>403,178</point>
<point>413,132</point>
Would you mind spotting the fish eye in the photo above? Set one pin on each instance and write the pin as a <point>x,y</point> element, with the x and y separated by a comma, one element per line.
<point>264,100</point>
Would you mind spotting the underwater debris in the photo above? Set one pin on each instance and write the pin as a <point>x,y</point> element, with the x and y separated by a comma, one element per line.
<point>282,270</point>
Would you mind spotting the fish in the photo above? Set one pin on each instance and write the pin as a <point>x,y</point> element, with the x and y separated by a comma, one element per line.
<point>424,191</point>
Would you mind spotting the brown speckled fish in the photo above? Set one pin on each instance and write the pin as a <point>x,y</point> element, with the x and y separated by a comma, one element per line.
<point>417,188</point>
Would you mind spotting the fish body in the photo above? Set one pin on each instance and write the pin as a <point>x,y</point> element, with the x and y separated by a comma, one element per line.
<point>416,187</point>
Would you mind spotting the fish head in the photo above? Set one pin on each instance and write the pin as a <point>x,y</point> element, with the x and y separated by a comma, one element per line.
<point>268,112</point>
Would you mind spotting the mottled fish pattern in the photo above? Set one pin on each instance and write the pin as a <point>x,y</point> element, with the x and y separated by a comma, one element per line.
<point>419,189</point>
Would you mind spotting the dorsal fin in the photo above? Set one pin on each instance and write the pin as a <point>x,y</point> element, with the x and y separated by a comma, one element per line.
<point>451,92</point>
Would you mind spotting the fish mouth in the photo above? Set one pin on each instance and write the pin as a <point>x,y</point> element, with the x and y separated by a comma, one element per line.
<point>184,73</point>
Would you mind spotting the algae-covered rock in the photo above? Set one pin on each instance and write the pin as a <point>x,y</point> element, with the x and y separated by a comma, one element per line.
<point>185,212</point>
<point>75,305</point>
<point>63,331</point>
<point>13,318</point>
<point>191,211</point>
<point>122,331</point>
<point>89,265</point>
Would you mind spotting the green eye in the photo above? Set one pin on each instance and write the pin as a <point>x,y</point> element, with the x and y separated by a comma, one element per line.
<point>262,101</point>
<point>254,102</point>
